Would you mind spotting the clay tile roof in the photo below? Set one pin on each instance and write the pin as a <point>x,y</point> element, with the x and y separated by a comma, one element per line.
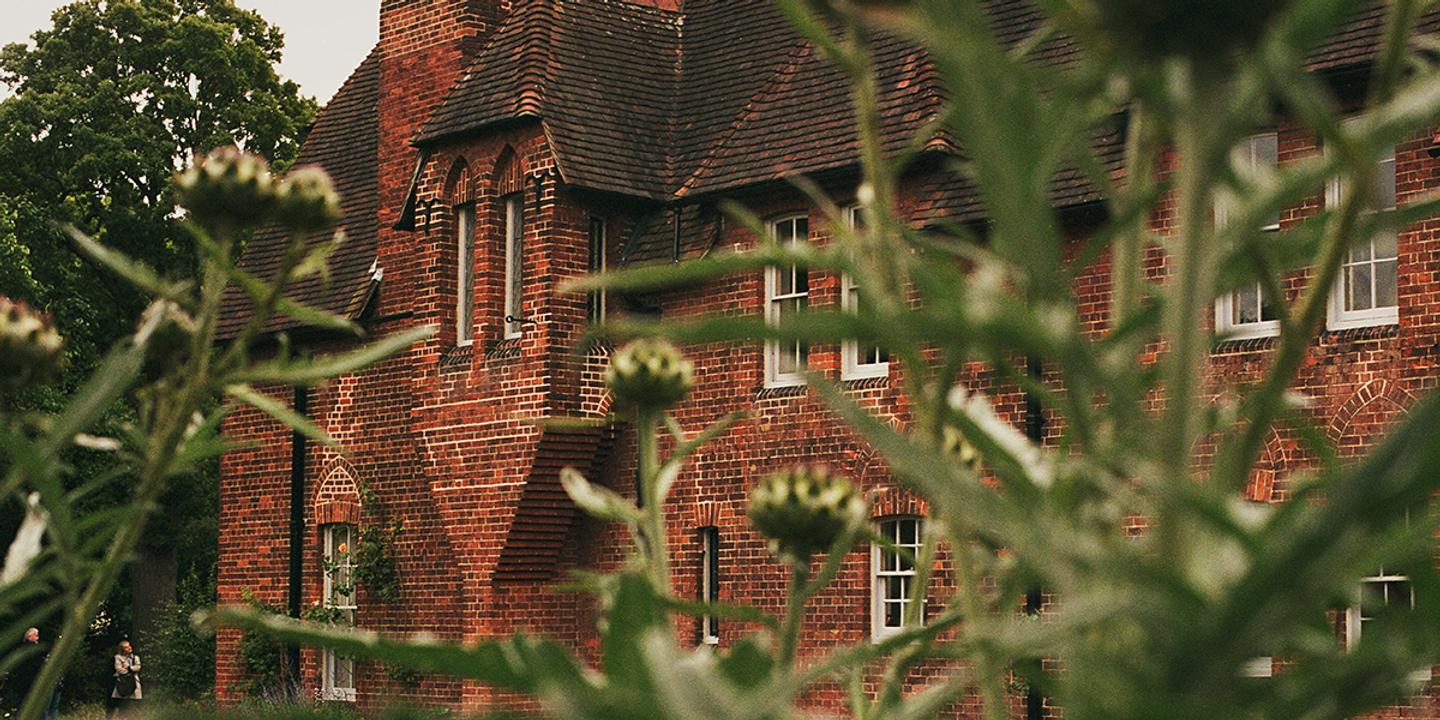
<point>344,141</point>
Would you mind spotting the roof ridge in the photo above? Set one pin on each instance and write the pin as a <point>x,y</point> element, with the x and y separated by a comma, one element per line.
<point>672,113</point>
<point>783,73</point>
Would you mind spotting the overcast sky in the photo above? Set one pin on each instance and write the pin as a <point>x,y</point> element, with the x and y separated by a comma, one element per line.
<point>324,39</point>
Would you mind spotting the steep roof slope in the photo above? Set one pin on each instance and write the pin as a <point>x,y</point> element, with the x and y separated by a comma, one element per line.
<point>602,74</point>
<point>345,142</point>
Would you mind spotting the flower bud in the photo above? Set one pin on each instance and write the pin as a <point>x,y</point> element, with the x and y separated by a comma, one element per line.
<point>306,200</point>
<point>29,344</point>
<point>803,511</point>
<point>650,373</point>
<point>959,449</point>
<point>229,187</point>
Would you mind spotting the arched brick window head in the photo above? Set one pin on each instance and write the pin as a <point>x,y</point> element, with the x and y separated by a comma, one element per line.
<point>462,202</point>
<point>510,186</point>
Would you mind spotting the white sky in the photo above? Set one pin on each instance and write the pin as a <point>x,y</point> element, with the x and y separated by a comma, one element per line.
<point>324,39</point>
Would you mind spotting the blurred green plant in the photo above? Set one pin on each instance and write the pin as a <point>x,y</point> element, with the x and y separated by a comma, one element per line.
<point>1158,625</point>
<point>68,562</point>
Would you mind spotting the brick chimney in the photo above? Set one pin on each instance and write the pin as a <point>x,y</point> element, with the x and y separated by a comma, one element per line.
<point>424,46</point>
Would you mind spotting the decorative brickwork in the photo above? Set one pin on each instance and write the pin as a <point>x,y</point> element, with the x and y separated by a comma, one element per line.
<point>453,440</point>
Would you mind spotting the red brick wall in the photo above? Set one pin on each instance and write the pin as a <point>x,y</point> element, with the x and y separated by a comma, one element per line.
<point>445,435</point>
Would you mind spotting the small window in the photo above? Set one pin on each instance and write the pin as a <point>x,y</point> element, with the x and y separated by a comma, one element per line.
<point>893,575</point>
<point>710,583</point>
<point>1249,311</point>
<point>860,360</point>
<point>1366,291</point>
<point>1384,589</point>
<point>598,300</point>
<point>338,671</point>
<point>465,265</point>
<point>787,292</point>
<point>514,263</point>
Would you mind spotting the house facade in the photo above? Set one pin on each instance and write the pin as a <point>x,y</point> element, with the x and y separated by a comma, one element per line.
<point>490,150</point>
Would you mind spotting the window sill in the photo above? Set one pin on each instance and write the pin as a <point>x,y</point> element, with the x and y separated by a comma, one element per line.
<point>500,349</point>
<point>780,391</point>
<point>1362,319</point>
<point>864,382</point>
<point>1244,344</point>
<point>1360,332</point>
<point>457,357</point>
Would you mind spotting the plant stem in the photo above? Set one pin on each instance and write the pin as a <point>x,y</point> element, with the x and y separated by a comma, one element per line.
<point>794,613</point>
<point>1193,273</point>
<point>653,518</point>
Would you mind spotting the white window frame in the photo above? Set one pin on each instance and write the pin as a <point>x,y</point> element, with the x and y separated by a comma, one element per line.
<point>1225,324</point>
<point>1355,618</point>
<point>1339,317</point>
<point>851,365</point>
<point>339,560</point>
<point>879,573</point>
<point>598,303</point>
<point>465,274</point>
<point>773,376</point>
<point>709,582</point>
<point>514,205</point>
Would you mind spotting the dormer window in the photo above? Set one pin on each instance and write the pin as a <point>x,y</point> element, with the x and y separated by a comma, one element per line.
<point>1249,311</point>
<point>596,304</point>
<point>465,266</point>
<point>1366,291</point>
<point>787,292</point>
<point>514,208</point>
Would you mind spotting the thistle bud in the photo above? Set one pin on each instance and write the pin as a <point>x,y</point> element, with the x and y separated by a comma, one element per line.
<point>29,344</point>
<point>650,373</point>
<point>229,187</point>
<point>957,448</point>
<point>803,511</point>
<point>306,200</point>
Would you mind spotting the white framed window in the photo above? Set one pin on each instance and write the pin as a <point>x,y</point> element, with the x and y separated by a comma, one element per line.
<point>465,278</point>
<point>598,301</point>
<point>337,671</point>
<point>893,575</point>
<point>858,360</point>
<point>787,292</point>
<point>1365,293</point>
<point>514,263</point>
<point>1249,311</point>
<point>709,582</point>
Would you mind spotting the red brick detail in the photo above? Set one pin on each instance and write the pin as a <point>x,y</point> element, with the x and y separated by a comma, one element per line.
<point>892,500</point>
<point>1371,408</point>
<point>545,513</point>
<point>509,173</point>
<point>338,498</point>
<point>458,188</point>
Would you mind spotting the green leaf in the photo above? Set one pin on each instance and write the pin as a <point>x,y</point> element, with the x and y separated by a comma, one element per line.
<point>281,412</point>
<point>327,367</point>
<point>598,501</point>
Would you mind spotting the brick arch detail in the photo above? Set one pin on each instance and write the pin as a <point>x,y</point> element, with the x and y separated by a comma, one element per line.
<point>508,175</point>
<point>1343,430</point>
<point>893,500</point>
<point>459,187</point>
<point>337,500</point>
<point>1267,478</point>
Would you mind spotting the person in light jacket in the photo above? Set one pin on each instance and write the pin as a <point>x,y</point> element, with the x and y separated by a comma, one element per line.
<point>127,665</point>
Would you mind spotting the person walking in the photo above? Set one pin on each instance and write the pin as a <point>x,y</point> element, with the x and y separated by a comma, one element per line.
<point>127,692</point>
<point>17,685</point>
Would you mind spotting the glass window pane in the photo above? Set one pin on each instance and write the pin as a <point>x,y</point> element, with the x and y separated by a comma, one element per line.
<point>802,280</point>
<point>894,615</point>
<point>1372,598</point>
<point>1384,197</point>
<point>1358,284</point>
<point>1267,308</point>
<point>1360,252</point>
<point>1385,295</point>
<point>785,281</point>
<point>1384,245</point>
<point>1246,305</point>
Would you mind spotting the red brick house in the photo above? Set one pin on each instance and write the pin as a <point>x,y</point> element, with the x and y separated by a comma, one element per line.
<point>488,150</point>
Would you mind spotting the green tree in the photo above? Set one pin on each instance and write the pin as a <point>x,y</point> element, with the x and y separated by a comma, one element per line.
<point>104,107</point>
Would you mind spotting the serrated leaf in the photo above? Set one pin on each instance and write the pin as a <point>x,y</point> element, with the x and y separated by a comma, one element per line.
<point>598,501</point>
<point>279,411</point>
<point>326,367</point>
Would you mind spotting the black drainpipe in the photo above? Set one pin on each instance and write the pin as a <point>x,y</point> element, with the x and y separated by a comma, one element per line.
<point>1034,597</point>
<point>297,527</point>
